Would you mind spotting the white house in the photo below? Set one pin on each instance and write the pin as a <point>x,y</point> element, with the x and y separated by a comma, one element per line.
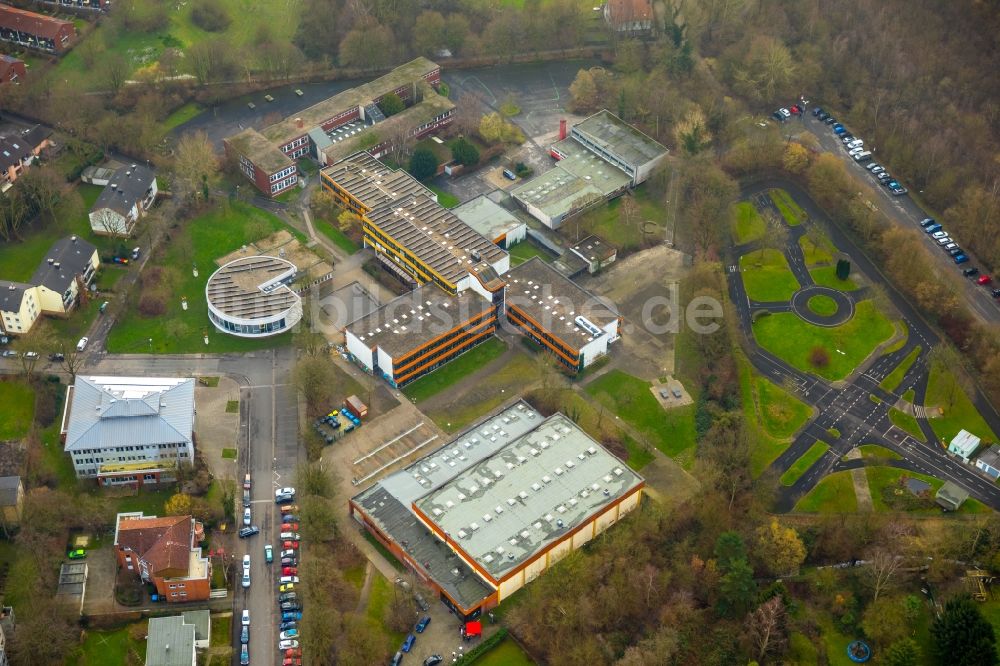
<point>127,196</point>
<point>989,462</point>
<point>963,445</point>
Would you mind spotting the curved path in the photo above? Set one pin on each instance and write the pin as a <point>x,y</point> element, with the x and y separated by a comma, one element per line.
<point>843,300</point>
<point>847,407</point>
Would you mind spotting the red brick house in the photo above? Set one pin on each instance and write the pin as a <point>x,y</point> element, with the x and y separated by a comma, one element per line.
<point>12,69</point>
<point>35,31</point>
<point>165,552</point>
<point>629,17</point>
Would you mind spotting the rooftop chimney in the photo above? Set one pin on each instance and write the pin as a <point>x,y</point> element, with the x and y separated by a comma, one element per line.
<point>562,129</point>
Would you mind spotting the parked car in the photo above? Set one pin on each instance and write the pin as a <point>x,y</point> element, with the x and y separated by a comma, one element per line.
<point>944,241</point>
<point>290,544</point>
<point>871,165</point>
<point>961,259</point>
<point>77,554</point>
<point>291,615</point>
<point>897,189</point>
<point>822,116</point>
<point>287,596</point>
<point>246,481</point>
<point>777,116</point>
<point>246,499</point>
<point>248,531</point>
<point>422,624</point>
<point>291,624</point>
<point>970,271</point>
<point>984,279</point>
<point>289,634</point>
<point>939,234</point>
<point>996,293</point>
<point>785,112</point>
<point>397,658</point>
<point>290,536</point>
<point>290,518</point>
<point>289,562</point>
<point>934,228</point>
<point>838,129</point>
<point>884,177</point>
<point>408,643</point>
<point>286,587</point>
<point>289,508</point>
<point>289,527</point>
<point>289,571</point>
<point>246,618</point>
<point>290,661</point>
<point>433,660</point>
<point>246,516</point>
<point>287,552</point>
<point>82,344</point>
<point>420,601</point>
<point>284,645</point>
<point>290,606</point>
<point>284,491</point>
<point>830,120</point>
<point>817,110</point>
<point>927,221</point>
<point>245,635</point>
<point>956,251</point>
<point>246,578</point>
<point>244,655</point>
<point>268,553</point>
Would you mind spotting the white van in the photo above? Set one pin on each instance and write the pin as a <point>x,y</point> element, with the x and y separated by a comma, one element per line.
<point>82,344</point>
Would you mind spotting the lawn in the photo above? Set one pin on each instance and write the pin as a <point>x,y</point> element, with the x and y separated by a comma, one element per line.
<point>150,502</point>
<point>906,422</point>
<point>760,396</point>
<point>200,242</point>
<point>892,380</point>
<point>606,222</point>
<point>110,647</point>
<point>181,115</point>
<point>788,337</point>
<point>944,391</point>
<point>781,413</point>
<point>232,406</point>
<point>18,400</point>
<point>671,431</point>
<point>506,653</point>
<point>337,237</point>
<point>820,254</point>
<point>455,370</point>
<point>826,276</point>
<point>767,277</point>
<point>525,250</point>
<point>833,494</point>
<point>379,598</point>
<point>822,305</point>
<point>805,461</point>
<point>221,626</point>
<point>876,452</point>
<point>888,478</point>
<point>791,211</point>
<point>748,225</point>
<point>446,199</point>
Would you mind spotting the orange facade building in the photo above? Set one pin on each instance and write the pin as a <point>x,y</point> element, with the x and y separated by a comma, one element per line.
<point>165,552</point>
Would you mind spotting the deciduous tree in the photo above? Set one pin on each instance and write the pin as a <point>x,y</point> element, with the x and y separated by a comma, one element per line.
<point>196,166</point>
<point>179,504</point>
<point>766,628</point>
<point>779,548</point>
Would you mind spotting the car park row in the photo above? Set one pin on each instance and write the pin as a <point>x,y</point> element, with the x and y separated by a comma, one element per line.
<point>289,604</point>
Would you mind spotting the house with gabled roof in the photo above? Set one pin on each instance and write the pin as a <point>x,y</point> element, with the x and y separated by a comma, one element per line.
<point>165,552</point>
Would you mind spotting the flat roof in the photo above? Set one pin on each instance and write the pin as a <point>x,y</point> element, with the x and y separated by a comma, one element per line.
<point>431,106</point>
<point>554,301</point>
<point>487,217</point>
<point>505,508</point>
<point>572,181</point>
<point>259,150</point>
<point>594,248</point>
<point>287,129</point>
<point>371,182</point>
<point>610,132</point>
<point>252,287</point>
<point>415,318</point>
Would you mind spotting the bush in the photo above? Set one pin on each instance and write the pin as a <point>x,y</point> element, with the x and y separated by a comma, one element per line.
<point>211,16</point>
<point>487,645</point>
<point>464,152</point>
<point>391,104</point>
<point>819,357</point>
<point>152,305</point>
<point>423,164</point>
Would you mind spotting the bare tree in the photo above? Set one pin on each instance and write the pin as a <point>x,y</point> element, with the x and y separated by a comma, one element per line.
<point>113,223</point>
<point>880,568</point>
<point>765,627</point>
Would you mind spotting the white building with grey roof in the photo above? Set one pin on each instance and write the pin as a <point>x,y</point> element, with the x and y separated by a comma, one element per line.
<point>497,506</point>
<point>251,297</point>
<point>130,192</point>
<point>129,431</point>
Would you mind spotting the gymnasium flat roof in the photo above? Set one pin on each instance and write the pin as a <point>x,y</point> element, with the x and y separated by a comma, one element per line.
<point>616,136</point>
<point>578,179</point>
<point>252,287</point>
<point>263,153</point>
<point>487,217</point>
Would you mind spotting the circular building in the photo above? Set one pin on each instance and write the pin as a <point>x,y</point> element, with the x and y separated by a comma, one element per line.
<point>250,297</point>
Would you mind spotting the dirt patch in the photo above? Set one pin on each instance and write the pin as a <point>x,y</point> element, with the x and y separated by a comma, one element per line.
<point>644,287</point>
<point>285,246</point>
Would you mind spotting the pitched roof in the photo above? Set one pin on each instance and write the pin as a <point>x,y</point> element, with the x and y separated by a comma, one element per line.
<point>107,411</point>
<point>162,542</point>
<point>7,63</point>
<point>8,490</point>
<point>11,295</point>
<point>38,25</point>
<point>627,11</point>
<point>126,188</point>
<point>67,258</point>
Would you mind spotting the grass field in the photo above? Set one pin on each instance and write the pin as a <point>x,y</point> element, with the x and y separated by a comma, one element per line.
<point>944,391</point>
<point>787,336</point>
<point>181,115</point>
<point>821,252</point>
<point>337,237</point>
<point>822,305</point>
<point>805,461</point>
<point>671,431</point>
<point>791,211</point>
<point>506,653</point>
<point>18,400</point>
<point>109,647</point>
<point>747,223</point>
<point>876,452</point>
<point>767,276</point>
<point>892,380</point>
<point>446,199</point>
<point>781,413</point>
<point>907,422</point>
<point>201,242</point>
<point>833,494</point>
<point>525,250</point>
<point>606,223</point>
<point>759,397</point>
<point>455,370</point>
<point>379,598</point>
<point>826,276</point>
<point>880,477</point>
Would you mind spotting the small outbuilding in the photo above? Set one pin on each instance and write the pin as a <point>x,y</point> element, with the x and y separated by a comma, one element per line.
<point>950,496</point>
<point>989,462</point>
<point>964,445</point>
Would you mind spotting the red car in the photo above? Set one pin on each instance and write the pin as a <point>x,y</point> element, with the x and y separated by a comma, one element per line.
<point>289,571</point>
<point>288,661</point>
<point>293,545</point>
<point>795,109</point>
<point>293,653</point>
<point>984,279</point>
<point>289,527</point>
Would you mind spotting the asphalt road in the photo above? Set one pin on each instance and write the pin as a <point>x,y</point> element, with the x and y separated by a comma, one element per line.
<point>847,406</point>
<point>904,211</point>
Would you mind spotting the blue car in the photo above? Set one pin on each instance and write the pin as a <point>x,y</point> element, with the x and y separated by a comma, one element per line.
<point>422,625</point>
<point>932,228</point>
<point>245,635</point>
<point>291,616</point>
<point>839,129</point>
<point>284,626</point>
<point>961,259</point>
<point>408,643</point>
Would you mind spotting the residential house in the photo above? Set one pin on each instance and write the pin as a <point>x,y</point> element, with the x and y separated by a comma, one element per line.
<point>989,462</point>
<point>35,31</point>
<point>173,640</point>
<point>11,499</point>
<point>963,445</point>
<point>129,431</point>
<point>129,194</point>
<point>12,69</point>
<point>629,17</point>
<point>165,552</point>
<point>18,151</point>
<point>54,289</point>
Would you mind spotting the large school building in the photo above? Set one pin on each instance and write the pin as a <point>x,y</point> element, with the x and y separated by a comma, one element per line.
<point>497,506</point>
<point>341,125</point>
